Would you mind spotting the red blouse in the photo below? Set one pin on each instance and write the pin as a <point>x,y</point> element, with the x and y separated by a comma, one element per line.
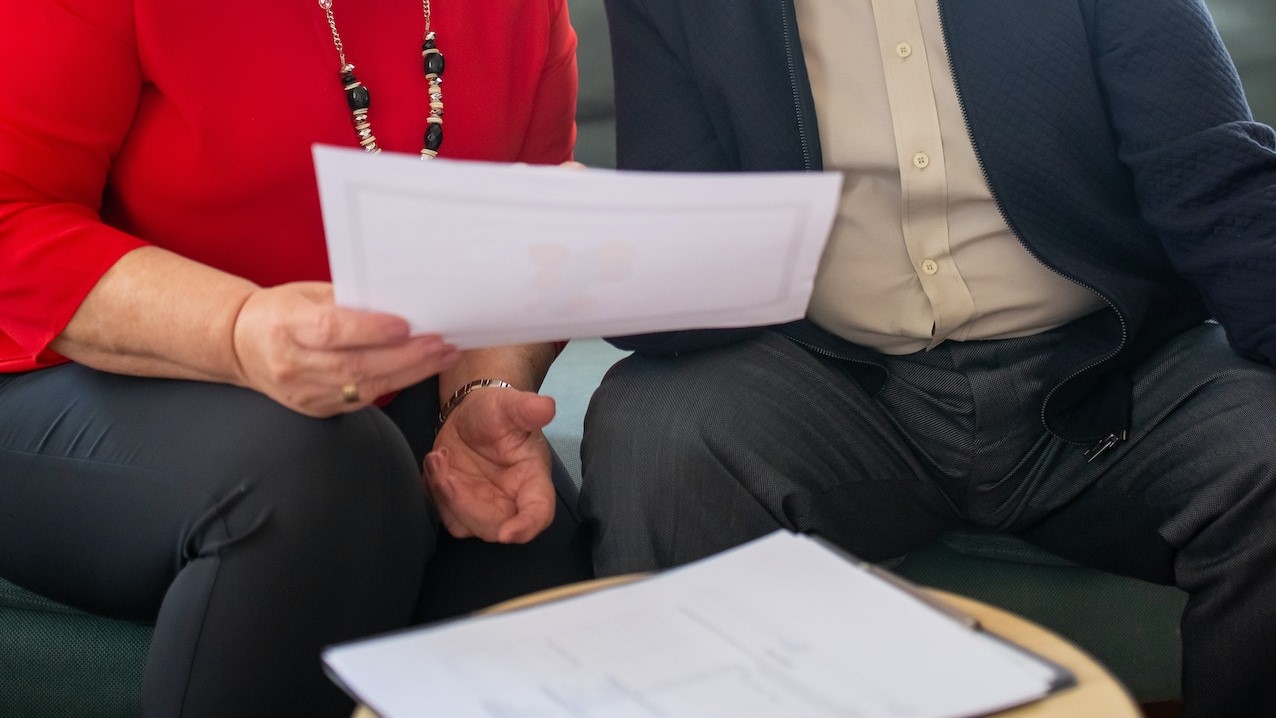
<point>188,125</point>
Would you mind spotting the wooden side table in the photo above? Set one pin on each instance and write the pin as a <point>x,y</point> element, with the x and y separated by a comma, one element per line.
<point>1097,693</point>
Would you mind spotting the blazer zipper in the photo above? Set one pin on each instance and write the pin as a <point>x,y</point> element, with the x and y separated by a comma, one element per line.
<point>787,15</point>
<point>1115,437</point>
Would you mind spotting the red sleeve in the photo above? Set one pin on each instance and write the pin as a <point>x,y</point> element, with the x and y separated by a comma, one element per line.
<point>551,134</point>
<point>71,88</point>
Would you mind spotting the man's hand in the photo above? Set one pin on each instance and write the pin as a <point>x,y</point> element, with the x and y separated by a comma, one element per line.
<point>489,473</point>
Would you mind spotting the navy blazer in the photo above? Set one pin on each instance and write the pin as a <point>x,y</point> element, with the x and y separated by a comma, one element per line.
<point>1114,135</point>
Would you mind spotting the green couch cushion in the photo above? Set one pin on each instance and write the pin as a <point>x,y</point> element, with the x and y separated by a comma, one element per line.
<point>57,662</point>
<point>14,596</point>
<point>1130,626</point>
<point>1003,547</point>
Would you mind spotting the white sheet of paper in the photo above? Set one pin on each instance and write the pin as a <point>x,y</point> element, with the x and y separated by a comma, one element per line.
<point>488,254</point>
<point>782,626</point>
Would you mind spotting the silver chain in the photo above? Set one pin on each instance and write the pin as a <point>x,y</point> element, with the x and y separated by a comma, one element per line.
<point>326,6</point>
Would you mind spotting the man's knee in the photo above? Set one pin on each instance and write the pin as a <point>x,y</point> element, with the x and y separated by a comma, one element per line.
<point>640,420</point>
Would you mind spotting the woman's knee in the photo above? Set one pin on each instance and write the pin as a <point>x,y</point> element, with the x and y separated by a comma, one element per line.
<point>321,479</point>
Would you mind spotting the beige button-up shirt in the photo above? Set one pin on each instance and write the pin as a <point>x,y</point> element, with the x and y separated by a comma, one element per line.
<point>919,252</point>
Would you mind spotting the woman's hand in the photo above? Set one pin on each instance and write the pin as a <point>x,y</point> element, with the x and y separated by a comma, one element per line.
<point>489,473</point>
<point>297,347</point>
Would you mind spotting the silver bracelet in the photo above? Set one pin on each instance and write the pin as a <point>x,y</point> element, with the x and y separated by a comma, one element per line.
<point>459,395</point>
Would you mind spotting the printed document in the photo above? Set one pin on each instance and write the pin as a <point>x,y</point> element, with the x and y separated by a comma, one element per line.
<point>487,253</point>
<point>782,626</point>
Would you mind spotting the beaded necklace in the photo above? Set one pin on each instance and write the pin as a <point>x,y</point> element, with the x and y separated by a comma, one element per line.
<point>358,98</point>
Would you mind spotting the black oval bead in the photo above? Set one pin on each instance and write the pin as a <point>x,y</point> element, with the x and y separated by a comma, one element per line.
<point>433,136</point>
<point>434,63</point>
<point>358,98</point>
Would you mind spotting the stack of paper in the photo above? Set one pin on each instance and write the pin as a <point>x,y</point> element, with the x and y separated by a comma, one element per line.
<point>782,626</point>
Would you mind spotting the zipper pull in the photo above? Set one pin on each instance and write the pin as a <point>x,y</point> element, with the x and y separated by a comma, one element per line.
<point>1105,443</point>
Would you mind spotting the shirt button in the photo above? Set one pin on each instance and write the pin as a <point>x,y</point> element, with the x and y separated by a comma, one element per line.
<point>930,266</point>
<point>903,49</point>
<point>921,160</point>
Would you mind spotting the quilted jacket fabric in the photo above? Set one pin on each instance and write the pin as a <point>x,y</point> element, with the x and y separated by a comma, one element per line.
<point>1114,135</point>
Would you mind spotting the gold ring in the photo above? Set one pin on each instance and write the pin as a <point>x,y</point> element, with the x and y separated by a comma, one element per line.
<point>350,394</point>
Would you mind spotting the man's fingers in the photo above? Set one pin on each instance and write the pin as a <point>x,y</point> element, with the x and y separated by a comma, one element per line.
<point>529,412</point>
<point>442,489</point>
<point>479,507</point>
<point>525,525</point>
<point>519,529</point>
<point>535,504</point>
<point>453,523</point>
<point>476,505</point>
<point>482,511</point>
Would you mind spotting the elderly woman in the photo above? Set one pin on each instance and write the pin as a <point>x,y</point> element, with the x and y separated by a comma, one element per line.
<point>191,432</point>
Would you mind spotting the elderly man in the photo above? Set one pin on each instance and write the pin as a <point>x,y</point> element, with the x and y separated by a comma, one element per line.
<point>1046,307</point>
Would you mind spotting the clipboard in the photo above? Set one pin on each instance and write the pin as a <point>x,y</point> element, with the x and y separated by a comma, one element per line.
<point>1061,677</point>
<point>761,630</point>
